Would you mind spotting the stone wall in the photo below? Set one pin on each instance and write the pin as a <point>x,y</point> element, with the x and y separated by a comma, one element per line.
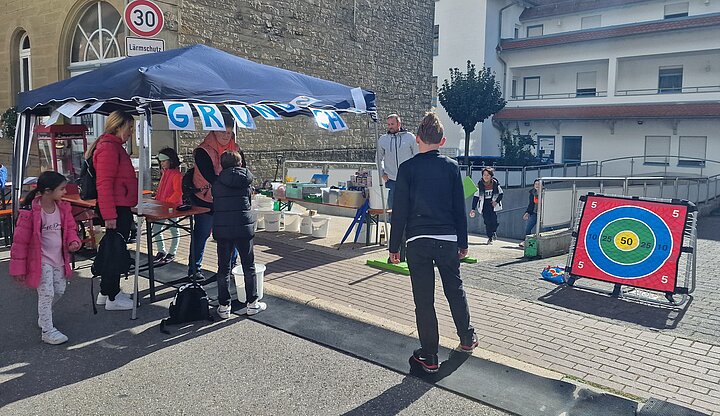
<point>380,45</point>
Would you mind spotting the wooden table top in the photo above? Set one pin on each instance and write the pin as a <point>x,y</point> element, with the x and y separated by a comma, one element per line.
<point>155,210</point>
<point>75,199</point>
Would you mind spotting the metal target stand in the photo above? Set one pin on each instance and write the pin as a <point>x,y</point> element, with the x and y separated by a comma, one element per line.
<point>686,259</point>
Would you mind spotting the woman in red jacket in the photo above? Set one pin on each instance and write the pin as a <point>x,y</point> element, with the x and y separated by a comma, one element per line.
<point>169,190</point>
<point>117,193</point>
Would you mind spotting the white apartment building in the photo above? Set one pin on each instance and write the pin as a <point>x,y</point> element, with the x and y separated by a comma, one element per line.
<point>596,80</point>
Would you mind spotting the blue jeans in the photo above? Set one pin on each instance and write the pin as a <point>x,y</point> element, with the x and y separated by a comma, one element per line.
<point>200,235</point>
<point>390,185</point>
<point>531,222</point>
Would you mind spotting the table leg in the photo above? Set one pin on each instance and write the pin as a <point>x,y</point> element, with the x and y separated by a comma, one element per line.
<point>368,222</point>
<point>151,265</point>
<point>193,268</point>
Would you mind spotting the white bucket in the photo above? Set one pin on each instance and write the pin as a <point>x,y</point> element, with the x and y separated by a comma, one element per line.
<point>292,222</point>
<point>320,226</point>
<point>375,197</point>
<point>306,225</point>
<point>240,281</point>
<point>272,221</point>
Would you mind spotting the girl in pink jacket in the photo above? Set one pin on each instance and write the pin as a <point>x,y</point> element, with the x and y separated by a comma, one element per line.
<point>44,236</point>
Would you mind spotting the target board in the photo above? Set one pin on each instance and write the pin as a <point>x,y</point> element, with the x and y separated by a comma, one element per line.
<point>630,242</point>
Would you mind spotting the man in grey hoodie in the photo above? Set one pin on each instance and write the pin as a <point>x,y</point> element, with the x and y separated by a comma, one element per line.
<point>393,148</point>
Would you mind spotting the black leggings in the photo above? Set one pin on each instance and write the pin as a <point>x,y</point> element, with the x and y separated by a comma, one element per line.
<point>110,284</point>
<point>490,218</point>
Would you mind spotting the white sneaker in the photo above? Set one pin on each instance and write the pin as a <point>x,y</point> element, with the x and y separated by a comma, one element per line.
<point>101,299</point>
<point>253,308</point>
<point>223,311</point>
<point>121,303</point>
<point>54,337</point>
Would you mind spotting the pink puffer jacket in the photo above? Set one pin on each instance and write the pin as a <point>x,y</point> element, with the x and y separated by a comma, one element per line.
<point>25,253</point>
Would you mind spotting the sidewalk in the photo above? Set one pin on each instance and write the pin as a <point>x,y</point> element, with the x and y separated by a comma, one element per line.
<point>635,350</point>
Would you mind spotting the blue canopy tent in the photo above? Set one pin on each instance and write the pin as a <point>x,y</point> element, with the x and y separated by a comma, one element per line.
<point>194,74</point>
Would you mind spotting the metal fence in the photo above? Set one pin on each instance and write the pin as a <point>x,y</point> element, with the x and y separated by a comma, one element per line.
<point>559,195</point>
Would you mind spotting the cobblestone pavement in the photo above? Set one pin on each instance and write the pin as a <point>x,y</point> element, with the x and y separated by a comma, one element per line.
<point>634,349</point>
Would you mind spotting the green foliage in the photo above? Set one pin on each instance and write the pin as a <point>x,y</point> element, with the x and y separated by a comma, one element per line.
<point>8,120</point>
<point>516,148</point>
<point>470,98</point>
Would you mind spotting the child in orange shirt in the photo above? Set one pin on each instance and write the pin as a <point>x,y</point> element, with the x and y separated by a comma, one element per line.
<point>169,190</point>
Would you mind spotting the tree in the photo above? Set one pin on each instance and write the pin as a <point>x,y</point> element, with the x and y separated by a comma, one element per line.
<point>516,147</point>
<point>8,119</point>
<point>470,98</point>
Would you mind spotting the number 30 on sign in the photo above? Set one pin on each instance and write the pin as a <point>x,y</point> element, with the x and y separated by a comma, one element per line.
<point>144,18</point>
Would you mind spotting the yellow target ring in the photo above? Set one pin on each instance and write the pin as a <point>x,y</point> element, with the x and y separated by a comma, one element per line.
<point>626,240</point>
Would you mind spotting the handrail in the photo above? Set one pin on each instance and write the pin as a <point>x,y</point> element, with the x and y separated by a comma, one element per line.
<point>525,181</point>
<point>574,94</point>
<point>703,165</point>
<point>627,181</point>
<point>680,90</point>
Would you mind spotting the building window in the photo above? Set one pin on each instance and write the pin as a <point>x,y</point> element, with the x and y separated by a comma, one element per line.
<point>531,88</point>
<point>436,39</point>
<point>96,35</point>
<point>692,150</point>
<point>589,22</point>
<point>676,10</point>
<point>535,30</point>
<point>516,33</point>
<point>25,63</point>
<point>513,88</point>
<point>586,84</point>
<point>670,80</point>
<point>434,92</point>
<point>657,148</point>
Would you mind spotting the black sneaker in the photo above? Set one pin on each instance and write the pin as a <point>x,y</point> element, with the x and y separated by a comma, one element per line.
<point>197,277</point>
<point>159,257</point>
<point>169,258</point>
<point>428,362</point>
<point>468,345</point>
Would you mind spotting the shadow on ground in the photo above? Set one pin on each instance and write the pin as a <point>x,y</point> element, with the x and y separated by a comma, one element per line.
<point>627,310</point>
<point>98,343</point>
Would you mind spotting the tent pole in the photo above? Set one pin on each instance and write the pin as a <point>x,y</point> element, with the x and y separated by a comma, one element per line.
<point>382,187</point>
<point>142,139</point>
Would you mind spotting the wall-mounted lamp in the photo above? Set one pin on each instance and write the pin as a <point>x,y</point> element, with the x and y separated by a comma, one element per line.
<point>640,122</point>
<point>527,123</point>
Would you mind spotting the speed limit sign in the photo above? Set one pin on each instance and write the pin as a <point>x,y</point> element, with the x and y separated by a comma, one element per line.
<point>144,18</point>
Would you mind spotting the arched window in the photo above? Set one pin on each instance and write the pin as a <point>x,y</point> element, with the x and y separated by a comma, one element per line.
<point>25,64</point>
<point>95,41</point>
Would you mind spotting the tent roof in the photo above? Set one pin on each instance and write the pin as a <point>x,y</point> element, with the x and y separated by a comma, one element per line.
<point>195,73</point>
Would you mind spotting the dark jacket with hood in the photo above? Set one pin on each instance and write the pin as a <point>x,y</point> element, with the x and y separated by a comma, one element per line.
<point>232,215</point>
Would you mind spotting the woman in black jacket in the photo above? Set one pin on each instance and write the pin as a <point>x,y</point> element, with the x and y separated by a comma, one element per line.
<point>234,228</point>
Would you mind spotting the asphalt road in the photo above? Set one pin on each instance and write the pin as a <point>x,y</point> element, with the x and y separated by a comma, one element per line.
<point>231,367</point>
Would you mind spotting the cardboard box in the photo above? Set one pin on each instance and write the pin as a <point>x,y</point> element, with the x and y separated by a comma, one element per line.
<point>351,199</point>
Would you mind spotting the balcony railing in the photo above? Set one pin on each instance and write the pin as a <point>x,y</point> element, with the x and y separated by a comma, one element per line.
<point>575,94</point>
<point>683,90</point>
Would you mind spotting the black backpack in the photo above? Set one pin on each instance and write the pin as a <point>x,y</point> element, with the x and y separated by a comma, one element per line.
<point>188,187</point>
<point>86,182</point>
<point>190,304</point>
